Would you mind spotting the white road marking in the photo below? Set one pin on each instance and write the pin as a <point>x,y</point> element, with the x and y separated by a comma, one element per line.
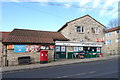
<point>76,74</point>
<point>83,73</point>
<point>92,72</point>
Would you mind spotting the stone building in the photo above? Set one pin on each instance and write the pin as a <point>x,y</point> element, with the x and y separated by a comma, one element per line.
<point>84,30</point>
<point>112,37</point>
<point>22,42</point>
<point>84,33</point>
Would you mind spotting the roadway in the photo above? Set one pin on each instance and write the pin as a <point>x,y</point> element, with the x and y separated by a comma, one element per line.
<point>98,69</point>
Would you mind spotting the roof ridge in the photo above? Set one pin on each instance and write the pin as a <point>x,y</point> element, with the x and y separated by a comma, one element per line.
<point>77,19</point>
<point>113,29</point>
<point>35,30</point>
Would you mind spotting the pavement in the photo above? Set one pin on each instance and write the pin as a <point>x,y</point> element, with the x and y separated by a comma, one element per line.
<point>54,63</point>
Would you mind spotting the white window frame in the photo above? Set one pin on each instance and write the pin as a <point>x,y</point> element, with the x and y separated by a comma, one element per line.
<point>80,30</point>
<point>108,34</point>
<point>96,30</point>
<point>108,42</point>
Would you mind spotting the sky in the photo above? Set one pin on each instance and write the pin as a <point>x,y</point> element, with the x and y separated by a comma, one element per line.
<point>50,15</point>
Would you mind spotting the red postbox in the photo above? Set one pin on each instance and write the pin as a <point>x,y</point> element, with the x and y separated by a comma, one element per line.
<point>43,56</point>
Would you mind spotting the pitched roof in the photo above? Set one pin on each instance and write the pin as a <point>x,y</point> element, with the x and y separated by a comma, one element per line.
<point>113,29</point>
<point>77,19</point>
<point>33,36</point>
<point>3,35</point>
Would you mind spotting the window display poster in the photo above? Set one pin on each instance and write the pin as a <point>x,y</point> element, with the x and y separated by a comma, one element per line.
<point>10,47</point>
<point>57,48</point>
<point>98,49</point>
<point>63,48</point>
<point>75,49</point>
<point>19,48</point>
<point>80,48</point>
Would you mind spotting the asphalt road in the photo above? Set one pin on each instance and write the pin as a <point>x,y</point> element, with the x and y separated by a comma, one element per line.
<point>99,69</point>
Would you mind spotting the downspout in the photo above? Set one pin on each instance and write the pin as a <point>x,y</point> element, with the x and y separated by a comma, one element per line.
<point>54,51</point>
<point>6,61</point>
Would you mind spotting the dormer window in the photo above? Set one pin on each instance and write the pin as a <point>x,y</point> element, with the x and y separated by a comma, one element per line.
<point>80,29</point>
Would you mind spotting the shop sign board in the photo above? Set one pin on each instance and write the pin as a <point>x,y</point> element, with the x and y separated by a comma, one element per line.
<point>51,47</point>
<point>78,44</point>
<point>30,48</point>
<point>10,47</point>
<point>19,48</point>
<point>37,48</point>
<point>33,48</point>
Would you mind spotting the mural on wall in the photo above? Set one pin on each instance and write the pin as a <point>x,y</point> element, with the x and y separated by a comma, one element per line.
<point>31,48</point>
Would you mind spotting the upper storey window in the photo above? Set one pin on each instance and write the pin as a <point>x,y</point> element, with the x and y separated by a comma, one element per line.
<point>95,30</point>
<point>108,34</point>
<point>80,29</point>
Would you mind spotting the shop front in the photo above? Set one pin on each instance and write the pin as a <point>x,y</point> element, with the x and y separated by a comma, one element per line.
<point>79,49</point>
<point>60,51</point>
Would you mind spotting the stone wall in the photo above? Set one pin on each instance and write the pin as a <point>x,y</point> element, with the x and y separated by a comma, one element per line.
<point>35,56</point>
<point>88,23</point>
<point>1,56</point>
<point>113,48</point>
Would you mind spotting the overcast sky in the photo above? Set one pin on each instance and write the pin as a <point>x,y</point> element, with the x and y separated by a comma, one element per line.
<point>50,15</point>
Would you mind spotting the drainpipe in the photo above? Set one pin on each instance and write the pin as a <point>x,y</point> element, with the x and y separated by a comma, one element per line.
<point>6,61</point>
<point>2,62</point>
<point>54,52</point>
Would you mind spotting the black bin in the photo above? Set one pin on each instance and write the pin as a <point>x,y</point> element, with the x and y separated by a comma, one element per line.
<point>24,60</point>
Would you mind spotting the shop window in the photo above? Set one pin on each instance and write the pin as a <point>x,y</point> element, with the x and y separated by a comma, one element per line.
<point>57,48</point>
<point>80,29</point>
<point>90,49</point>
<point>60,49</point>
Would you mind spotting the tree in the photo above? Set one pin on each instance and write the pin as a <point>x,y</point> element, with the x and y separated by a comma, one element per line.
<point>113,23</point>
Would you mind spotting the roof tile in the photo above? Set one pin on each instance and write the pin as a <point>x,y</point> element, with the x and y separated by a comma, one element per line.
<point>33,36</point>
